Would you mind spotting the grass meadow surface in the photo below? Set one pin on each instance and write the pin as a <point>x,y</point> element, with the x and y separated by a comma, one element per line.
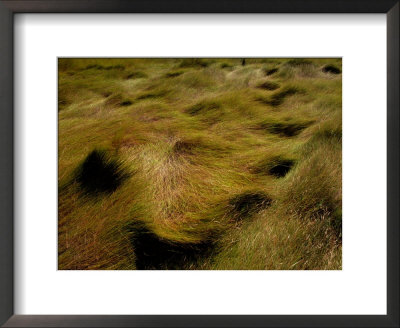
<point>215,164</point>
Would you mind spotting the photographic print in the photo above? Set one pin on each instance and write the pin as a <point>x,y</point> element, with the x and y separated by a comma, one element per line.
<point>199,163</point>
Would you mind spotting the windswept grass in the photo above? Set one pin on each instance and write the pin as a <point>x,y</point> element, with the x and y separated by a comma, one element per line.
<point>200,163</point>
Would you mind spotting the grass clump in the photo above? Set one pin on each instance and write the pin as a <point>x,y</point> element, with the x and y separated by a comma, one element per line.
<point>331,69</point>
<point>100,173</point>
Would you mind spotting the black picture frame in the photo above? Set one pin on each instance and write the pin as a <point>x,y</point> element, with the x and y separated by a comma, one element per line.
<point>7,11</point>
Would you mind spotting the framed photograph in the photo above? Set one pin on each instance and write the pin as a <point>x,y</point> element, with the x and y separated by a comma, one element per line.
<point>203,164</point>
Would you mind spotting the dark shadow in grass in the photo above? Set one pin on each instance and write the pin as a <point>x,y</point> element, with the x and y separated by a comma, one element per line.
<point>270,71</point>
<point>248,203</point>
<point>268,85</point>
<point>331,69</point>
<point>285,129</point>
<point>281,167</point>
<point>226,65</point>
<point>135,75</point>
<point>336,222</point>
<point>63,103</point>
<point>116,100</point>
<point>155,253</point>
<point>173,74</point>
<point>276,166</point>
<point>203,107</point>
<point>152,95</point>
<point>278,98</point>
<point>99,173</point>
<point>126,102</point>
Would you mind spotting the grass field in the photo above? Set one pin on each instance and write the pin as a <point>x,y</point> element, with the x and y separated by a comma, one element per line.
<point>200,164</point>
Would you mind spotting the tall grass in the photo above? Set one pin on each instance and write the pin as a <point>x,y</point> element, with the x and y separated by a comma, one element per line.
<point>199,164</point>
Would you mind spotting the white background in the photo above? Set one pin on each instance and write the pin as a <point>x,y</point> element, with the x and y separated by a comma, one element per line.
<point>360,288</point>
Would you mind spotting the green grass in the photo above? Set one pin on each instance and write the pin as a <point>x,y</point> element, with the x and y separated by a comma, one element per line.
<point>200,164</point>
